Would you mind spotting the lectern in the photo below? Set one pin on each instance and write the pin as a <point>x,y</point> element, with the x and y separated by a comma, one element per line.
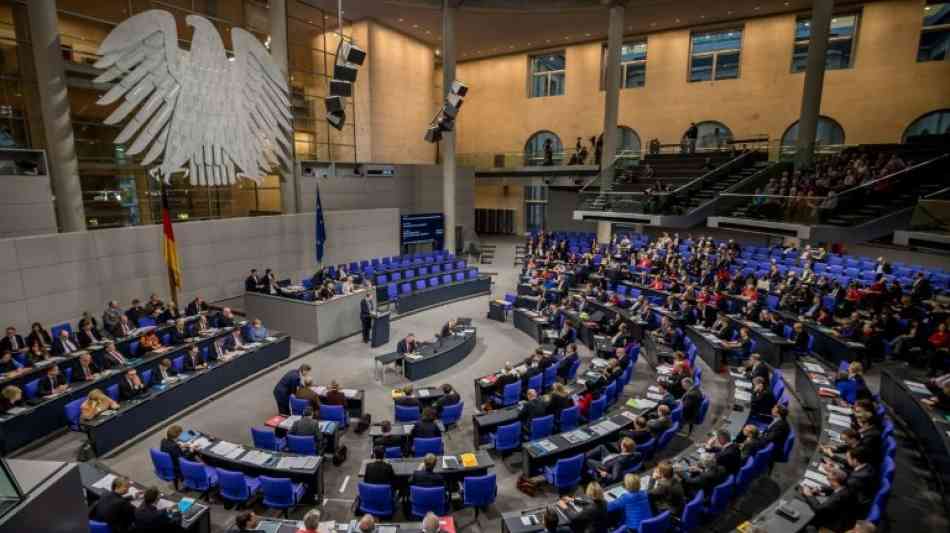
<point>380,333</point>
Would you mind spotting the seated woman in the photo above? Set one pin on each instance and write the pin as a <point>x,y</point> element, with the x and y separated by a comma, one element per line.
<point>11,397</point>
<point>149,342</point>
<point>95,404</point>
<point>38,334</point>
<point>38,353</point>
<point>257,332</point>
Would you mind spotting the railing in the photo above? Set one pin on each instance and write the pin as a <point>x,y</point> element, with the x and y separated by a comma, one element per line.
<point>932,212</point>
<point>811,210</point>
<point>497,160</point>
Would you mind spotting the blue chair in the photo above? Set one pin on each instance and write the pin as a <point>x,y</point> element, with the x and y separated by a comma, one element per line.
<point>406,413</point>
<point>99,527</point>
<point>377,500</point>
<point>282,493</point>
<point>146,376</point>
<point>421,446</point>
<point>237,487</point>
<point>302,444</point>
<point>510,395</point>
<point>565,475</point>
<point>297,406</point>
<point>507,438</point>
<point>335,413</point>
<point>178,364</point>
<point>459,276</point>
<point>164,466</point>
<point>692,513</point>
<point>676,415</point>
<point>700,416</point>
<point>72,413</point>
<point>597,408</point>
<point>721,495</point>
<point>479,492</point>
<point>610,393</point>
<point>31,389</point>
<point>568,419</point>
<point>391,291</point>
<point>880,502</point>
<point>446,279</point>
<point>393,452</point>
<point>265,438</point>
<point>763,459</point>
<point>196,476</point>
<point>745,477</point>
<point>887,470</point>
<point>424,500</point>
<point>473,273</point>
<point>890,447</point>
<point>54,331</point>
<point>451,414</point>
<point>536,382</point>
<point>112,391</point>
<point>667,436</point>
<point>420,284</point>
<point>658,524</point>
<point>647,449</point>
<point>572,372</point>
<point>405,289</point>
<point>541,427</point>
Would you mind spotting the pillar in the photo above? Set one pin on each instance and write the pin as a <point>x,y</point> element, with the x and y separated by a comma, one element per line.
<point>449,8</point>
<point>814,81</point>
<point>278,50</point>
<point>57,123</point>
<point>611,103</point>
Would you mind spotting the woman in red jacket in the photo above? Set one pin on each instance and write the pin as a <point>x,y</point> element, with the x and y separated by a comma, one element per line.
<point>939,342</point>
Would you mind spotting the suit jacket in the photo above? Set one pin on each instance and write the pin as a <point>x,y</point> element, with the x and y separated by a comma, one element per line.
<point>639,436</point>
<point>658,425</point>
<point>365,309</point>
<point>112,361</point>
<point>593,518</point>
<point>193,309</point>
<point>836,513</point>
<point>171,448</point>
<point>559,403</point>
<point>749,447</point>
<point>127,392</point>
<point>335,397</point>
<point>777,433</point>
<point>667,494</point>
<point>59,347</point>
<point>309,427</point>
<point>533,409</point>
<point>88,337</point>
<point>287,385</point>
<point>706,480</point>
<point>43,338</point>
<point>178,337</point>
<point>424,478</point>
<point>616,466</point>
<point>47,385</point>
<point>114,510</point>
<point>691,401</point>
<point>730,458</point>
<point>759,371</point>
<point>148,519</point>
<point>192,364</point>
<point>863,485</point>
<point>116,329</point>
<point>762,403</point>
<point>251,284</point>
<point>7,344</point>
<point>78,372</point>
<point>425,430</point>
<point>379,473</point>
<point>404,347</point>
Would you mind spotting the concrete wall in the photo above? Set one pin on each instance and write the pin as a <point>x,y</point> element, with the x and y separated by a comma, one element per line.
<point>428,194</point>
<point>560,213</point>
<point>54,278</point>
<point>874,101</point>
<point>492,196</point>
<point>26,206</point>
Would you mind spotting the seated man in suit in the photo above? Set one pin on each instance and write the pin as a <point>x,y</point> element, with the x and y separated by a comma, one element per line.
<point>666,490</point>
<point>570,358</point>
<point>122,328</point>
<point>727,452</point>
<point>305,392</point>
<point>309,426</point>
<point>449,397</point>
<point>245,521</point>
<point>379,472</point>
<point>407,345</point>
<point>288,383</point>
<point>112,357</point>
<point>691,400</point>
<point>777,431</point>
<point>196,306</point>
<point>88,334</point>
<point>135,312</point>
<point>149,519</point>
<point>131,385</point>
<point>662,421</point>
<point>193,360</point>
<point>114,509</point>
<point>640,433</point>
<point>762,400</point>
<point>12,341</point>
<point>863,480</point>
<point>54,383</point>
<point>755,368</point>
<point>837,510</point>
<point>704,477</point>
<point>535,407</point>
<point>86,369</point>
<point>226,319</point>
<point>64,344</point>
<point>176,450</point>
<point>426,428</point>
<point>607,467</point>
<point>163,372</point>
<point>427,476</point>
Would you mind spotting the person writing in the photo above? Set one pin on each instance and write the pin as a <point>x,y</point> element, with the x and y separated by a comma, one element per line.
<point>165,371</point>
<point>287,384</point>
<point>149,518</point>
<point>379,472</point>
<point>114,508</point>
<point>86,370</point>
<point>131,385</point>
<point>64,344</point>
<point>95,404</point>
<point>53,383</point>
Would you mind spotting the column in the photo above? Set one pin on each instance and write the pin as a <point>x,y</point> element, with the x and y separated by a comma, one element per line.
<point>814,81</point>
<point>57,123</point>
<point>611,103</point>
<point>449,8</point>
<point>278,50</point>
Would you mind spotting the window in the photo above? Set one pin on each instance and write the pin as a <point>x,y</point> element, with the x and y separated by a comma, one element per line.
<point>829,132</point>
<point>535,153</point>
<point>933,123</point>
<point>547,74</point>
<point>711,135</point>
<point>628,142</point>
<point>935,34</point>
<point>633,65</point>
<point>714,55</point>
<point>840,42</point>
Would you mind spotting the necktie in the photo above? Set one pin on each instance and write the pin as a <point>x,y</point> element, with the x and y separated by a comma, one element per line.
<point>86,372</point>
<point>69,346</point>
<point>13,343</point>
<point>118,357</point>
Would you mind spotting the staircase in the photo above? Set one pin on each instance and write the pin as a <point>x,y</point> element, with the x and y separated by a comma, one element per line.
<point>712,190</point>
<point>672,169</point>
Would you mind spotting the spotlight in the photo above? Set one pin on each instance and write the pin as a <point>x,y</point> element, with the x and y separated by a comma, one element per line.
<point>336,119</point>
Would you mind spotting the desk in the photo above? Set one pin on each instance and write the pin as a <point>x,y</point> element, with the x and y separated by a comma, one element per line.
<point>529,322</point>
<point>770,346</point>
<point>928,424</point>
<point>382,289</point>
<point>278,525</point>
<point>709,346</point>
<point>828,344</point>
<point>196,520</point>
<point>444,293</point>
<point>436,357</point>
<point>134,417</point>
<point>380,331</point>
<point>571,443</point>
<point>238,461</point>
<point>318,323</point>
<point>404,467</point>
<point>497,310</point>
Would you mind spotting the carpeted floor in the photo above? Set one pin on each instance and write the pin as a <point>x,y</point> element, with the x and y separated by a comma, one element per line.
<point>351,363</point>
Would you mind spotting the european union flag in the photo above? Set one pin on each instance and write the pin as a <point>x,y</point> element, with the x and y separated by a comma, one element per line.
<point>321,233</point>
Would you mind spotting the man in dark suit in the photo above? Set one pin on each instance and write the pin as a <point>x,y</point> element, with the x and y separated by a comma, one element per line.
<point>427,476</point>
<point>756,368</point>
<point>309,426</point>
<point>286,386</point>
<point>135,312</point>
<point>762,399</point>
<point>122,328</point>
<point>608,468</point>
<point>113,509</point>
<point>863,480</point>
<point>366,314</point>
<point>193,360</point>
<point>727,452</point>
<point>704,477</point>
<point>777,431</point>
<point>662,421</point>
<point>112,357</point>
<point>196,306</point>
<point>407,345</point>
<point>837,511</point>
<point>379,472</point>
<point>253,282</point>
<point>148,518</point>
<point>131,385</point>
<point>64,344</point>
<point>53,383</point>
<point>88,335</point>
<point>426,428</point>
<point>640,432</point>
<point>449,397</point>
<point>535,407</point>
<point>749,441</point>
<point>691,400</point>
<point>12,341</point>
<point>666,491</point>
<point>86,369</point>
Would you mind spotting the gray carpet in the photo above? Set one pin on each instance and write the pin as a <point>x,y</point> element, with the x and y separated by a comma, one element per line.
<point>350,363</point>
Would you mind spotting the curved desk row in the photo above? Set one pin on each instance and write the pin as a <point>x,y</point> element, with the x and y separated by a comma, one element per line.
<point>423,298</point>
<point>440,355</point>
<point>277,525</point>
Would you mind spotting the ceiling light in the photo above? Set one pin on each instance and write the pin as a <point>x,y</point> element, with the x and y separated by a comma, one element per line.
<point>729,12</point>
<point>652,24</point>
<point>787,4</point>
<point>511,47</point>
<point>702,16</point>
<point>547,40</point>
<point>677,20</point>
<point>415,25</point>
<point>428,32</point>
<point>756,8</point>
<point>587,34</point>
<point>401,20</point>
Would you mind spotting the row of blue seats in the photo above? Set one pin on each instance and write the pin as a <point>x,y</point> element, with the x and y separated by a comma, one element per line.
<point>393,292</point>
<point>397,261</point>
<point>380,500</point>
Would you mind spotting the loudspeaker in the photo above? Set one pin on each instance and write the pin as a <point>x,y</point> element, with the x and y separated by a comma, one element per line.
<point>351,53</point>
<point>341,88</point>
<point>459,88</point>
<point>344,72</point>
<point>333,103</point>
<point>433,134</point>
<point>452,105</point>
<point>446,123</point>
<point>336,119</point>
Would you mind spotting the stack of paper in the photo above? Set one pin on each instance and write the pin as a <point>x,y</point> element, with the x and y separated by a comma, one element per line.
<point>817,477</point>
<point>223,447</point>
<point>235,453</point>
<point>350,393</point>
<point>916,387</point>
<point>812,367</point>
<point>744,396</point>
<point>838,420</point>
<point>256,457</point>
<point>846,411</point>
<point>289,422</point>
<point>744,384</point>
<point>105,483</point>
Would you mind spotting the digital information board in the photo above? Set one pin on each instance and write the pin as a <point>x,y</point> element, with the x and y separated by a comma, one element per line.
<point>427,227</point>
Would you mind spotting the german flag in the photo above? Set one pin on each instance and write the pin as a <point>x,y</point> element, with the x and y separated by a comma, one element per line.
<point>170,249</point>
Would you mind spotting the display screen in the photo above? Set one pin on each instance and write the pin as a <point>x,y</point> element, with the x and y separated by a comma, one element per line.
<point>429,227</point>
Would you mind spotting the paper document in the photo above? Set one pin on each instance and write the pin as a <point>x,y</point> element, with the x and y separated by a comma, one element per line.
<point>744,384</point>
<point>105,483</point>
<point>818,477</point>
<point>919,388</point>
<point>812,367</point>
<point>743,396</point>
<point>350,393</point>
<point>289,422</point>
<point>201,443</point>
<point>838,420</point>
<point>846,411</point>
<point>654,396</point>
<point>223,447</point>
<point>235,453</point>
